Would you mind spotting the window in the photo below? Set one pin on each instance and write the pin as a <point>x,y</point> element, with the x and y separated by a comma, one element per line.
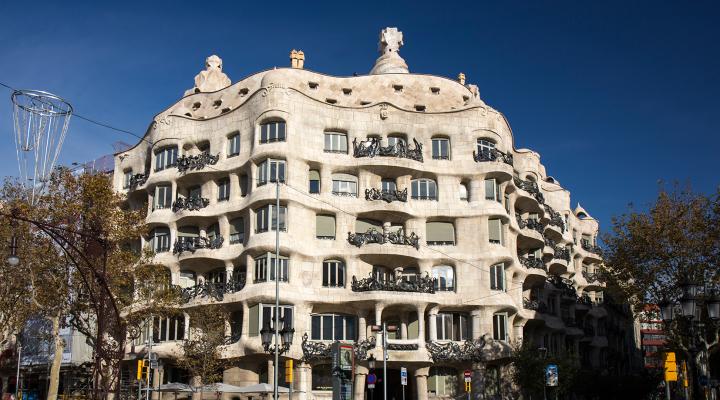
<point>160,239</point>
<point>535,254</point>
<point>237,230</point>
<point>336,142</point>
<point>410,274</point>
<point>333,273</point>
<point>344,185</point>
<point>497,277</point>
<point>325,227</point>
<point>444,276</point>
<point>236,318</point>
<point>218,275</point>
<point>322,377</point>
<point>443,381</point>
<point>265,218</point>
<point>233,145</point>
<point>265,268</point>
<point>424,189</point>
<point>485,148</point>
<point>333,327</point>
<point>462,189</point>
<point>187,233</point>
<point>126,180</point>
<point>223,189</point>
<point>440,233</point>
<point>168,329</point>
<point>244,185</point>
<point>271,170</point>
<point>500,326</point>
<point>395,140</point>
<point>492,190</point>
<point>314,180</point>
<point>213,231</point>
<point>388,185</point>
<point>440,149</point>
<point>382,274</point>
<point>267,315</point>
<point>364,225</point>
<point>585,240</point>
<point>187,279</point>
<point>495,231</point>
<point>194,192</point>
<point>507,203</point>
<point>165,158</point>
<point>163,197</point>
<point>273,131</point>
<point>452,326</point>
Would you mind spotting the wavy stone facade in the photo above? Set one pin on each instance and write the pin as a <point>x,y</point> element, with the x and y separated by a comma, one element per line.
<point>406,201</point>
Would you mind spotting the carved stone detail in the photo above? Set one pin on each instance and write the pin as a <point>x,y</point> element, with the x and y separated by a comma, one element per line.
<point>212,78</point>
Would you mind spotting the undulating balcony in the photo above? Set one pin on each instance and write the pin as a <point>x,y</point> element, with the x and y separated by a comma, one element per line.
<point>387,196</point>
<point>590,276</point>
<point>532,262</point>
<point>393,237</point>
<point>137,180</point>
<point>530,187</point>
<point>193,203</point>
<point>400,283</point>
<point>530,224</point>
<point>215,290</point>
<point>323,350</point>
<point>493,155</point>
<point>555,218</point>
<point>196,163</point>
<point>535,305</point>
<point>193,244</point>
<point>372,147</point>
<point>562,253</point>
<point>590,247</point>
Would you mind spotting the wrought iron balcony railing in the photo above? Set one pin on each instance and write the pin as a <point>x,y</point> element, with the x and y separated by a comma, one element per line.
<point>193,203</point>
<point>386,195</point>
<point>530,224</point>
<point>584,299</point>
<point>192,244</point>
<point>564,284</point>
<point>529,262</point>
<point>530,187</point>
<point>469,350</point>
<point>562,253</point>
<point>549,242</point>
<point>400,283</point>
<point>375,236</point>
<point>589,247</point>
<point>493,155</point>
<point>215,290</point>
<point>555,218</point>
<point>198,162</point>
<point>372,148</point>
<point>319,350</point>
<point>534,305</point>
<point>590,276</point>
<point>137,180</point>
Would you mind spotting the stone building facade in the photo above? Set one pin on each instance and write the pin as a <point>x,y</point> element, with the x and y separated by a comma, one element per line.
<point>403,199</point>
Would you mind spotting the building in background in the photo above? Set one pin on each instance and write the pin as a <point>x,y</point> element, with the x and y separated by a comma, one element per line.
<point>652,336</point>
<point>404,200</point>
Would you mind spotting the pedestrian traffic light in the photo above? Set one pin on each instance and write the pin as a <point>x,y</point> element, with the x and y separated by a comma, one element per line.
<point>288,371</point>
<point>143,369</point>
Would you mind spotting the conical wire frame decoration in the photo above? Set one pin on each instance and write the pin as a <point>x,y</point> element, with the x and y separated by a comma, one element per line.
<point>41,122</point>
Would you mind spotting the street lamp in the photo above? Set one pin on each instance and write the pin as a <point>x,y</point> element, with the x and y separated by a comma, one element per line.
<point>286,336</point>
<point>384,329</point>
<point>13,258</point>
<point>371,361</point>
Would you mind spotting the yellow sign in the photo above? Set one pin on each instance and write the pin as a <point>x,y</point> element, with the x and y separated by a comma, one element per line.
<point>670,367</point>
<point>288,371</point>
<point>684,374</point>
<point>468,387</point>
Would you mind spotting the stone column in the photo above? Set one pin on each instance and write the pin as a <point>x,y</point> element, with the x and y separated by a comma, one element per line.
<point>304,381</point>
<point>271,371</point>
<point>362,325</point>
<point>229,269</point>
<point>432,318</point>
<point>421,325</point>
<point>360,375</point>
<point>421,375</point>
<point>478,381</point>
<point>325,181</point>
<point>404,325</point>
<point>476,316</point>
<point>234,185</point>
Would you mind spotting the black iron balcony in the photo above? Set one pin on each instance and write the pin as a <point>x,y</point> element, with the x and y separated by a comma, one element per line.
<point>531,262</point>
<point>375,236</point>
<point>372,148</point>
<point>193,203</point>
<point>530,224</point>
<point>584,300</point>
<point>562,253</point>
<point>192,244</point>
<point>493,155</point>
<point>590,276</point>
<point>587,246</point>
<point>198,162</point>
<point>549,242</point>
<point>565,285</point>
<point>137,180</point>
<point>215,290</point>
<point>530,187</point>
<point>344,194</point>
<point>534,305</point>
<point>467,351</point>
<point>386,195</point>
<point>555,218</point>
<point>400,283</point>
<point>319,350</point>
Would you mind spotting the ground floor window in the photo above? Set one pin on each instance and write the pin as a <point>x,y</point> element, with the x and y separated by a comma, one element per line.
<point>443,381</point>
<point>322,377</point>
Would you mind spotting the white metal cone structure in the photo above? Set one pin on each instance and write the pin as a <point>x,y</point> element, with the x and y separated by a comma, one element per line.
<point>41,122</point>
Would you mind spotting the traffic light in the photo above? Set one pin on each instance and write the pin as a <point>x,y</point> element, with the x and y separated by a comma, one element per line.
<point>143,368</point>
<point>288,371</point>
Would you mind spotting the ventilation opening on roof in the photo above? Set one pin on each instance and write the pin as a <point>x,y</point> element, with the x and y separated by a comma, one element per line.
<point>243,91</point>
<point>364,102</point>
<point>398,88</point>
<point>331,101</point>
<point>224,110</point>
<point>217,103</point>
<point>435,90</point>
<point>313,85</point>
<point>466,98</point>
<point>419,107</point>
<point>347,91</point>
<point>188,115</point>
<point>196,106</point>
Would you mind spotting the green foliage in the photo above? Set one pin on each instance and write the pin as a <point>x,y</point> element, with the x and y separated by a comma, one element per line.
<point>529,371</point>
<point>201,351</point>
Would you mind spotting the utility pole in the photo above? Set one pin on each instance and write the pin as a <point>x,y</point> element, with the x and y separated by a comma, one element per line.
<point>384,346</point>
<point>17,376</point>
<point>276,365</point>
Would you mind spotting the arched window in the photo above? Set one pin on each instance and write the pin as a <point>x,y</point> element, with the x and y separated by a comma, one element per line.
<point>336,142</point>
<point>440,148</point>
<point>462,189</point>
<point>344,185</point>
<point>443,381</point>
<point>271,171</point>
<point>166,158</point>
<point>237,230</point>
<point>163,197</point>
<point>272,131</point>
<point>485,148</point>
<point>265,268</point>
<point>322,378</point>
<point>233,145</point>
<point>424,189</point>
<point>314,181</point>
<point>325,227</point>
<point>444,278</point>
<point>440,233</point>
<point>160,238</point>
<point>333,273</point>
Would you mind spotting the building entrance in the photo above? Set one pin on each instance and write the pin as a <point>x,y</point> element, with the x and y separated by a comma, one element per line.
<point>394,388</point>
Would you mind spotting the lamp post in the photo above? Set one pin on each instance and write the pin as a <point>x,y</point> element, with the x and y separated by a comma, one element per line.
<point>688,303</point>
<point>286,337</point>
<point>13,258</point>
<point>384,328</point>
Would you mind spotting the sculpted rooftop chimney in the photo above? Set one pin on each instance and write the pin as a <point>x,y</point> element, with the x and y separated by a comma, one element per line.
<point>390,61</point>
<point>212,78</point>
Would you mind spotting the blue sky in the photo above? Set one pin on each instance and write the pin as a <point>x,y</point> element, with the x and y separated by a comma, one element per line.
<point>615,96</point>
